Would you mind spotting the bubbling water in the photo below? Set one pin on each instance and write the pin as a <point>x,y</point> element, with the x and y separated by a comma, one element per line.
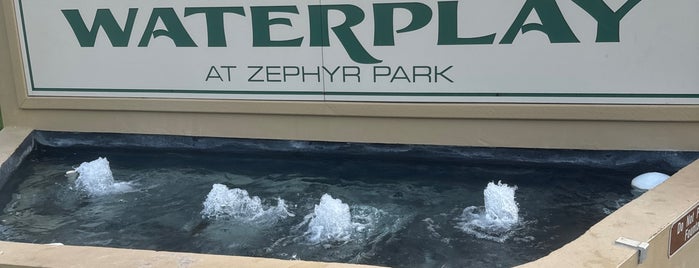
<point>96,179</point>
<point>330,221</point>
<point>496,220</point>
<point>333,230</point>
<point>237,204</point>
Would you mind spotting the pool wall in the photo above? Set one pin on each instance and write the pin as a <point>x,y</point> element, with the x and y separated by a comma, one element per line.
<point>646,219</point>
<point>31,255</point>
<point>14,148</point>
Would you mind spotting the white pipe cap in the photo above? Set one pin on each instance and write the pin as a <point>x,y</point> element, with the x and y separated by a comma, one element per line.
<point>647,181</point>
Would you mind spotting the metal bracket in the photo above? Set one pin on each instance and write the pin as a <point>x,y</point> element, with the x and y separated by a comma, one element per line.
<point>642,247</point>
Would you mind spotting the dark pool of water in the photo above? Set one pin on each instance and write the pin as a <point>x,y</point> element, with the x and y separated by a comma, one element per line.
<point>410,203</point>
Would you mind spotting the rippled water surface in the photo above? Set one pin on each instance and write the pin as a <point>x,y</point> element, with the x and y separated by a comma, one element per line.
<point>404,211</point>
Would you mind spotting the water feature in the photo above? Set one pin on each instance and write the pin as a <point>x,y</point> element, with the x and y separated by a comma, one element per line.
<point>400,206</point>
<point>95,178</point>
<point>237,204</point>
<point>330,221</point>
<point>497,218</point>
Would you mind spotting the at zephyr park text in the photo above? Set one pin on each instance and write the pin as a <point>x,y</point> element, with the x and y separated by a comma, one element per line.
<point>552,23</point>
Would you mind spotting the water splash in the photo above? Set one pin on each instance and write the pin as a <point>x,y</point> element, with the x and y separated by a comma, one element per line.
<point>496,219</point>
<point>96,179</point>
<point>237,204</point>
<point>330,221</point>
<point>336,231</point>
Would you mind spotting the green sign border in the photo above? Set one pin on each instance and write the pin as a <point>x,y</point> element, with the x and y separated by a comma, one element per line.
<point>343,93</point>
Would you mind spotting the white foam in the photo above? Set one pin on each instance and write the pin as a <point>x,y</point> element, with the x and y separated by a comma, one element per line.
<point>432,228</point>
<point>96,179</point>
<point>500,205</point>
<point>330,221</point>
<point>237,204</point>
<point>496,219</point>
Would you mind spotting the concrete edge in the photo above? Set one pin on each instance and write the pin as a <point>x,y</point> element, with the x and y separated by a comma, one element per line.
<point>648,218</point>
<point>33,255</point>
<point>15,145</point>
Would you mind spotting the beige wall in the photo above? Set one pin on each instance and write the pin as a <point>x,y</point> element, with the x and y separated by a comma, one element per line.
<point>646,127</point>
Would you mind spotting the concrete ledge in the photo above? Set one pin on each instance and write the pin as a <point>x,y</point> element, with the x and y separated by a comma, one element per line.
<point>31,255</point>
<point>11,138</point>
<point>14,147</point>
<point>647,219</point>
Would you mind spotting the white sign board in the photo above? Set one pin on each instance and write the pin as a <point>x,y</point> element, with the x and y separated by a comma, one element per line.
<point>525,51</point>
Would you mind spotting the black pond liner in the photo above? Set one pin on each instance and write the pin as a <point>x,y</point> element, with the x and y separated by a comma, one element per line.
<point>408,199</point>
